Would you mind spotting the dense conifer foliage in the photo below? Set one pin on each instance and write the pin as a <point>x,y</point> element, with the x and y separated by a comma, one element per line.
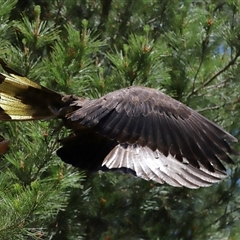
<point>187,49</point>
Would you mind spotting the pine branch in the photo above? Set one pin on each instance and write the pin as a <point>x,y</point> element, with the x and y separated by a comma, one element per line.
<point>232,62</point>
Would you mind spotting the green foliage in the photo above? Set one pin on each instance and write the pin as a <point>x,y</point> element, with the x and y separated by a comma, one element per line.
<point>6,24</point>
<point>36,34</point>
<point>73,60</point>
<point>188,49</point>
<point>35,186</point>
<point>138,63</point>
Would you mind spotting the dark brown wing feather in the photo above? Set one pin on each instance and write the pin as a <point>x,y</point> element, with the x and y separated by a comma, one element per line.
<point>150,118</point>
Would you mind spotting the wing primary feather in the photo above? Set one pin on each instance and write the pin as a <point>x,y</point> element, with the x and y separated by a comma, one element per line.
<point>208,148</point>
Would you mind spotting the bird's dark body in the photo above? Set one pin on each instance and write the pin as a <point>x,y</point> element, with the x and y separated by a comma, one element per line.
<point>85,150</point>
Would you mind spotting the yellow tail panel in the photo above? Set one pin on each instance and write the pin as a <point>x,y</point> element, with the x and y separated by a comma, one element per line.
<point>22,99</point>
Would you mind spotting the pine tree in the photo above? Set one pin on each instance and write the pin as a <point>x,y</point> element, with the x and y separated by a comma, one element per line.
<point>188,49</point>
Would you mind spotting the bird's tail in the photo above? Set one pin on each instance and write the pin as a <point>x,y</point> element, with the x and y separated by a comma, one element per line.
<point>22,99</point>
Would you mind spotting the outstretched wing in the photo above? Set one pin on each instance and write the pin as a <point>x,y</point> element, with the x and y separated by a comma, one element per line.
<point>157,125</point>
<point>136,130</point>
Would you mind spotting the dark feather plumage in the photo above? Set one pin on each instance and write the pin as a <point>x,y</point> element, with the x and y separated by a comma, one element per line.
<point>136,130</point>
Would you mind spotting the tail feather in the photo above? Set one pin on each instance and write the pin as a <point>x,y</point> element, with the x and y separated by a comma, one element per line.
<point>22,99</point>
